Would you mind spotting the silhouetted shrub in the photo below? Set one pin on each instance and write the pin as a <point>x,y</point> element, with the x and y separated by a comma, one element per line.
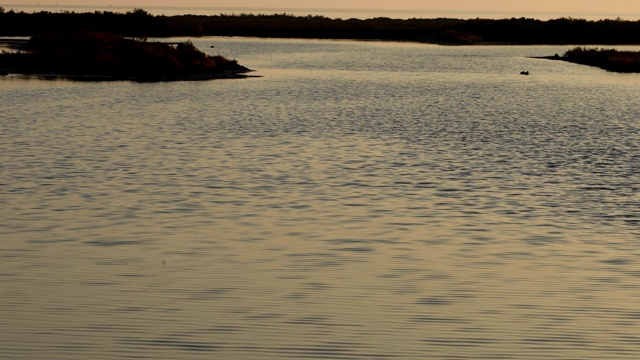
<point>457,37</point>
<point>105,54</point>
<point>139,23</point>
<point>609,59</point>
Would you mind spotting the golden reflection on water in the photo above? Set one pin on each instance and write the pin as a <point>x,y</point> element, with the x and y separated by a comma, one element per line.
<point>315,246</point>
<point>190,221</point>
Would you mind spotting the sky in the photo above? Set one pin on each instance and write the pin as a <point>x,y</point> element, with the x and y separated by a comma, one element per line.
<point>578,6</point>
<point>616,8</point>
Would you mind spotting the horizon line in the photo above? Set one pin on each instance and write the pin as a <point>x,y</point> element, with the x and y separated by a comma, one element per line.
<point>546,14</point>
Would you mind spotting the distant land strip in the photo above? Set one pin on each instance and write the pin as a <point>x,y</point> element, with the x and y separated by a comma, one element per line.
<point>139,23</point>
<point>607,59</point>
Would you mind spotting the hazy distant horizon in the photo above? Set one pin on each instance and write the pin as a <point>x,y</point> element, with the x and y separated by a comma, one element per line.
<point>466,5</point>
<point>620,8</point>
<point>190,7</point>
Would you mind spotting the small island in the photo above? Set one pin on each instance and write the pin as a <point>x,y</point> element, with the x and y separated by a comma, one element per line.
<point>88,55</point>
<point>607,59</point>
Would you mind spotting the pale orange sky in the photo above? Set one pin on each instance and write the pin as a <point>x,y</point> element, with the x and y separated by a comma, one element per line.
<point>543,9</point>
<point>578,6</point>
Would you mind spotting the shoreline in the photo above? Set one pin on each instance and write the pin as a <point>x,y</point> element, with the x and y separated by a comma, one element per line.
<point>229,75</point>
<point>19,43</point>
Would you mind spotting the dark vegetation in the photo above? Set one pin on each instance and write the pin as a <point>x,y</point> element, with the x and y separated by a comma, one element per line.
<point>96,54</point>
<point>139,23</point>
<point>608,59</point>
<point>102,43</point>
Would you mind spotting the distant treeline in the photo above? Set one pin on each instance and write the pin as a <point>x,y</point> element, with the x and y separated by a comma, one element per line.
<point>139,23</point>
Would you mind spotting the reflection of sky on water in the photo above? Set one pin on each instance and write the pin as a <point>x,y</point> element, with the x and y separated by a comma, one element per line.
<point>361,200</point>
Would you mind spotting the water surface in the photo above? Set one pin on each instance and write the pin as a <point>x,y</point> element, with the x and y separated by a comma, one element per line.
<point>360,200</point>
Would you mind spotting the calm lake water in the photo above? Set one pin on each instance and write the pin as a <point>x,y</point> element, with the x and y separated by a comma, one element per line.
<point>360,200</point>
